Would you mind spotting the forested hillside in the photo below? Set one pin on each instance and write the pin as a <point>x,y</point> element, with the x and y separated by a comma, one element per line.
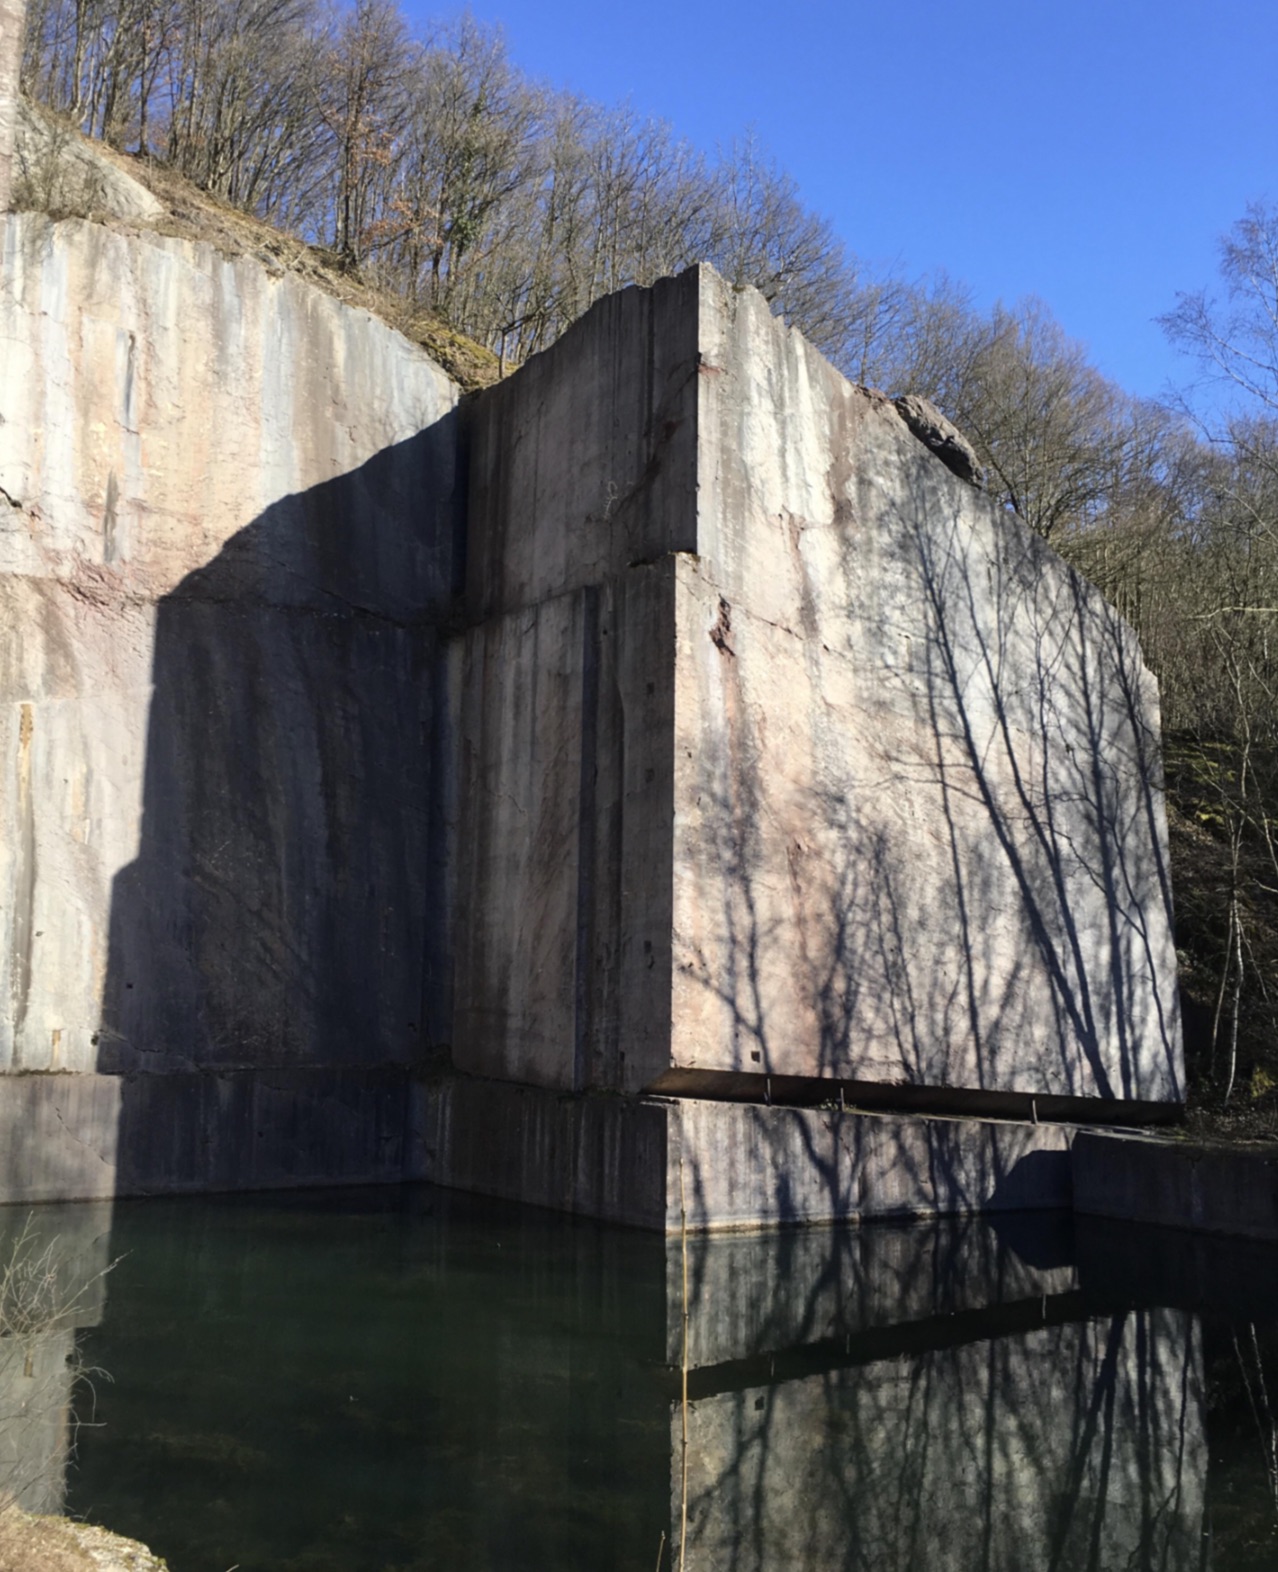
<point>462,192</point>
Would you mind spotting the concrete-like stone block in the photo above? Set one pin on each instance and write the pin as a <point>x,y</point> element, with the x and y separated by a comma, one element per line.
<point>740,734</point>
<point>912,826</point>
<point>59,1135</point>
<point>654,1162</point>
<point>1220,1189</point>
<point>564,905</point>
<point>97,1136</point>
<point>228,541</point>
<point>520,853</point>
<point>585,462</point>
<point>600,1157</point>
<point>748,1166</point>
<point>262,1130</point>
<point>159,398</point>
<point>12,19</point>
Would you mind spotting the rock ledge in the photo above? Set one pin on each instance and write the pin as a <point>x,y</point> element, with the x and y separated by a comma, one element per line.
<point>942,436</point>
<point>33,1543</point>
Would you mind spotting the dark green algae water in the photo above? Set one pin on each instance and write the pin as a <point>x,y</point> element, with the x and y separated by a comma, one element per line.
<point>408,1379</point>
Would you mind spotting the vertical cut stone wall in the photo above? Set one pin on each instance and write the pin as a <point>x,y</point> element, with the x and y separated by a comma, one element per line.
<point>919,822</point>
<point>582,493</point>
<point>880,799</point>
<point>228,539</point>
<point>747,737</point>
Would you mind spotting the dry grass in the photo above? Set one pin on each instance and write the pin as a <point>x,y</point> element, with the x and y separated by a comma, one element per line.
<point>193,214</point>
<point>40,1544</point>
<point>56,1544</point>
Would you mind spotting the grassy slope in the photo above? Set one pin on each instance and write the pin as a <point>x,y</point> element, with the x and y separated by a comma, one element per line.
<point>192,214</point>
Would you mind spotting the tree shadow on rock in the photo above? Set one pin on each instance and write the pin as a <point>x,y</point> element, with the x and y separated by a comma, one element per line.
<point>945,865</point>
<point>288,911</point>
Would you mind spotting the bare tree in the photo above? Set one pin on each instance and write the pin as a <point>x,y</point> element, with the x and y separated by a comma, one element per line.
<point>763,236</point>
<point>1053,432</point>
<point>1234,337</point>
<point>365,107</point>
<point>469,145</point>
<point>11,32</point>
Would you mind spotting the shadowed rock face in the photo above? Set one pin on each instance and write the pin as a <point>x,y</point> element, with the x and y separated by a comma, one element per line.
<point>837,772</point>
<point>227,544</point>
<point>226,540</point>
<point>277,915</point>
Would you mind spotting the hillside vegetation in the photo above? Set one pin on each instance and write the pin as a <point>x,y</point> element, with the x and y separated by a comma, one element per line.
<point>482,212</point>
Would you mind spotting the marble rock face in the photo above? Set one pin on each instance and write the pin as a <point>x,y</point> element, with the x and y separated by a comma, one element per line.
<point>225,538</point>
<point>671,712</point>
<point>783,751</point>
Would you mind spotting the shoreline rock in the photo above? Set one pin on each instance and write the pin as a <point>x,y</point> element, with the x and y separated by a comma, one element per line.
<point>33,1543</point>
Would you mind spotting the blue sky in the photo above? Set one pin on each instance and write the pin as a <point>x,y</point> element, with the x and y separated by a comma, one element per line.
<point>1087,153</point>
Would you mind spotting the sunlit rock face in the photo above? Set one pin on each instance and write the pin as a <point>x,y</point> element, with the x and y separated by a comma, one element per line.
<point>795,757</point>
<point>12,20</point>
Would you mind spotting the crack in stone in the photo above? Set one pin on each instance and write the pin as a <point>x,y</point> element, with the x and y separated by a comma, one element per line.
<point>79,1139</point>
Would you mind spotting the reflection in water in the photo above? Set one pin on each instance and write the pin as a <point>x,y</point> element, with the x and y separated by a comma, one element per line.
<point>397,1380</point>
<point>1070,1446</point>
<point>930,1397</point>
<point>53,1265</point>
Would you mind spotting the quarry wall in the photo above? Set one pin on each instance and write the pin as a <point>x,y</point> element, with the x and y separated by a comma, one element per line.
<point>919,832</point>
<point>12,20</point>
<point>836,773</point>
<point>228,519</point>
<point>669,721</point>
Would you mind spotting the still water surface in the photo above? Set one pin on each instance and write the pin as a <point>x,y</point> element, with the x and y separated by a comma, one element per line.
<point>407,1379</point>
